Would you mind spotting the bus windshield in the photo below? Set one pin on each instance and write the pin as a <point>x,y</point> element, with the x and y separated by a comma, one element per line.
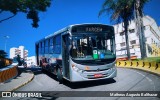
<point>92,47</point>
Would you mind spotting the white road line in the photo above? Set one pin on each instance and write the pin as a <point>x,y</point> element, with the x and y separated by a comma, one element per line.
<point>37,82</point>
<point>150,80</point>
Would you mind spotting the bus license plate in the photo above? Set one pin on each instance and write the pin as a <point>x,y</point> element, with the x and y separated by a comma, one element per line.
<point>97,75</point>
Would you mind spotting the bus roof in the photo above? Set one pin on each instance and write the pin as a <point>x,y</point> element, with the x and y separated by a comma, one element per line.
<point>68,29</point>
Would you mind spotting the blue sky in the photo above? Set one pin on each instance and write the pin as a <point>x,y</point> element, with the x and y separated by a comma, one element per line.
<point>60,14</point>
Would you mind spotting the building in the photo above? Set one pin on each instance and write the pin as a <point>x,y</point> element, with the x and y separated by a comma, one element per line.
<point>152,35</point>
<point>19,51</point>
<point>31,61</point>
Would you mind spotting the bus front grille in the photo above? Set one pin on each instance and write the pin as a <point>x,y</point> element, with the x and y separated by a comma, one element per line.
<point>96,70</point>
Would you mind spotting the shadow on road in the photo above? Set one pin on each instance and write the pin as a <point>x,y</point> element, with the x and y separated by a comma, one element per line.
<point>78,85</point>
<point>86,84</point>
<point>35,70</point>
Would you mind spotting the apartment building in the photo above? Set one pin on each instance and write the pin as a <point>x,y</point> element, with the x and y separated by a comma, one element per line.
<point>152,36</point>
<point>19,51</point>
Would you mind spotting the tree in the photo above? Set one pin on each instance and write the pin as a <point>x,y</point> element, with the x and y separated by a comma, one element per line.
<point>3,54</point>
<point>30,7</point>
<point>121,11</point>
<point>138,8</point>
<point>19,60</point>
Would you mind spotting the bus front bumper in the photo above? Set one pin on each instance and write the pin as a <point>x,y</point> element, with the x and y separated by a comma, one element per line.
<point>93,75</point>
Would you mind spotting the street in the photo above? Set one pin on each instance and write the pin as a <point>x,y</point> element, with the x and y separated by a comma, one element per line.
<point>126,80</point>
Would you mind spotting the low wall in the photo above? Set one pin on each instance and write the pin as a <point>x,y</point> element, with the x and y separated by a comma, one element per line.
<point>147,66</point>
<point>8,73</point>
<point>5,62</point>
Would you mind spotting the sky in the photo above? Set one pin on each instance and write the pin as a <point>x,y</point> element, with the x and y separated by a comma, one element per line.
<point>60,14</point>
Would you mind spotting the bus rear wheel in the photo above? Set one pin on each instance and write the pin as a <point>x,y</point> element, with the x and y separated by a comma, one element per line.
<point>59,75</point>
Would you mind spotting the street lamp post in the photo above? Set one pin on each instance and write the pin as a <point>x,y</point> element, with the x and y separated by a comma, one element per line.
<point>5,45</point>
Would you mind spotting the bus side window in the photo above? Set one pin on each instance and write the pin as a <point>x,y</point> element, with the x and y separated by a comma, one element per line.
<point>39,49</point>
<point>46,46</point>
<point>57,44</point>
<point>54,44</point>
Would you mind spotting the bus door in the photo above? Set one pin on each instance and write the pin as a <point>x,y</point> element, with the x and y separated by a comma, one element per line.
<point>65,55</point>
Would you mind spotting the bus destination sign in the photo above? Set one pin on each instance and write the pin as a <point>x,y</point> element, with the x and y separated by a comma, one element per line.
<point>91,29</point>
<point>94,29</point>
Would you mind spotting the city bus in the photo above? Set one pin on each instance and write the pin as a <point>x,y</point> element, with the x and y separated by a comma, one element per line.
<point>80,52</point>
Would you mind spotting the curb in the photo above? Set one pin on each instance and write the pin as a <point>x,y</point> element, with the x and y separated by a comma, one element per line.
<point>23,83</point>
<point>152,67</point>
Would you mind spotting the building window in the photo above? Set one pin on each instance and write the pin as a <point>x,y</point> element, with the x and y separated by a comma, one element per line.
<point>121,33</point>
<point>122,44</point>
<point>133,42</point>
<point>132,30</point>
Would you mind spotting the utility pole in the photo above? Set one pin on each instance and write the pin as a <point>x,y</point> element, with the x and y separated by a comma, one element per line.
<point>140,29</point>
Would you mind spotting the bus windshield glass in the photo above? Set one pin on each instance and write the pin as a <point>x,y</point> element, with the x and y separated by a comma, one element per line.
<point>92,47</point>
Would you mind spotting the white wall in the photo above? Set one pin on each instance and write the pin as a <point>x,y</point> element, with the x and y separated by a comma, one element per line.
<point>152,34</point>
<point>12,52</point>
<point>31,61</point>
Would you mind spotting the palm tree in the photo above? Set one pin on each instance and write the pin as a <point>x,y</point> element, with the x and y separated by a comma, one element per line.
<point>122,11</point>
<point>138,8</point>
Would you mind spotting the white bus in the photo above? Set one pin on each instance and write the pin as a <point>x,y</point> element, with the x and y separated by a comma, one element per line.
<point>80,52</point>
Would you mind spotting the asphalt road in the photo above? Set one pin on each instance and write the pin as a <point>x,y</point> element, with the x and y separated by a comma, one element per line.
<point>126,80</point>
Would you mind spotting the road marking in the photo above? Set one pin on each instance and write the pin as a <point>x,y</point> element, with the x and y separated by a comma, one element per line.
<point>150,80</point>
<point>37,82</point>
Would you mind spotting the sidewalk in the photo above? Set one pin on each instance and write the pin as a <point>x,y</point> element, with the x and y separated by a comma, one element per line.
<point>23,78</point>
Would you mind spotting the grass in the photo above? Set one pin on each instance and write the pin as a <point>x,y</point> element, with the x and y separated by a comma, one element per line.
<point>151,59</point>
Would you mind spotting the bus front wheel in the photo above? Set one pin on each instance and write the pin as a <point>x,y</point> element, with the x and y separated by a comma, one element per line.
<point>59,75</point>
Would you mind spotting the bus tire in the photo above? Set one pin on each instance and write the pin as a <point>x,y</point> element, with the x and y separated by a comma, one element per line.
<point>59,75</point>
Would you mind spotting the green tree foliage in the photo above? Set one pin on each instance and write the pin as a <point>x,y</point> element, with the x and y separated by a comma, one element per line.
<point>30,7</point>
<point>3,54</point>
<point>122,11</point>
<point>19,60</point>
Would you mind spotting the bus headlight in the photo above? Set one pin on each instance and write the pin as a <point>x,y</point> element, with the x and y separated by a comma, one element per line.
<point>76,69</point>
<point>113,68</point>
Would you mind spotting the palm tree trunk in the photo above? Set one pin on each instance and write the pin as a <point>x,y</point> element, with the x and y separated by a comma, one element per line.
<point>140,31</point>
<point>142,39</point>
<point>126,37</point>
